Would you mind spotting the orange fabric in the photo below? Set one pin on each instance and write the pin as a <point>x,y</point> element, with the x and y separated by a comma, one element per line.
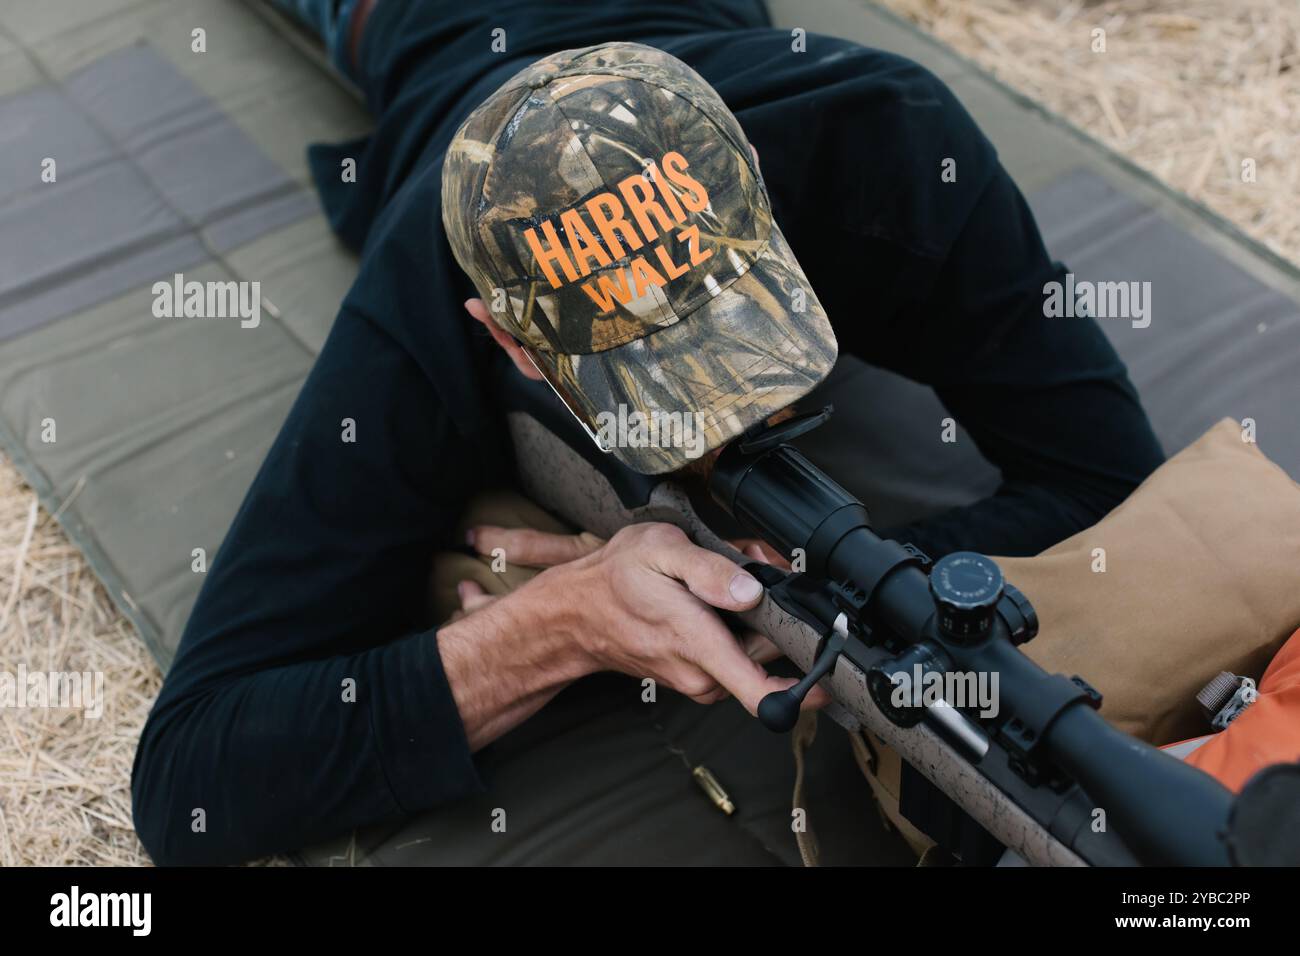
<point>1267,732</point>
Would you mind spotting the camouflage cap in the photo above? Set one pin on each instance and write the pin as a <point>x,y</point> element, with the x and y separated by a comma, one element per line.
<point>608,209</point>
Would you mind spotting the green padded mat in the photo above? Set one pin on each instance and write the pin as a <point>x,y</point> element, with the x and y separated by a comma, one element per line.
<point>160,425</point>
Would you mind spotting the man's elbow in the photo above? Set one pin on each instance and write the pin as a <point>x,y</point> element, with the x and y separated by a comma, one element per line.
<point>151,795</point>
<point>172,829</point>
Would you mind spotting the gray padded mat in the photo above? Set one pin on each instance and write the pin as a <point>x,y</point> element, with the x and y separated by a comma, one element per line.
<point>1220,342</point>
<point>152,178</point>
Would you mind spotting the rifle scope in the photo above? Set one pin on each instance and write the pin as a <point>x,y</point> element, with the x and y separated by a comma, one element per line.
<point>960,617</point>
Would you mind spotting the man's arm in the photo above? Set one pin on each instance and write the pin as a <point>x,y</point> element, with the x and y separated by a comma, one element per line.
<point>640,604</point>
<point>308,697</point>
<point>940,278</point>
<point>1046,399</point>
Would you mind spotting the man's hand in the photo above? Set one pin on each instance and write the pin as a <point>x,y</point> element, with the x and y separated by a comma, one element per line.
<point>642,604</point>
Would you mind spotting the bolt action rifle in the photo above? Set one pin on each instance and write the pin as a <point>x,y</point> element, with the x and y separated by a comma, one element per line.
<point>866,614</point>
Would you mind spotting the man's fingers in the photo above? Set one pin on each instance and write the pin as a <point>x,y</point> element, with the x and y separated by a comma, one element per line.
<point>478,309</point>
<point>531,548</point>
<point>472,596</point>
<point>718,654</point>
<point>759,648</point>
<point>715,650</point>
<point>712,697</point>
<point>817,698</point>
<point>761,551</point>
<point>709,576</point>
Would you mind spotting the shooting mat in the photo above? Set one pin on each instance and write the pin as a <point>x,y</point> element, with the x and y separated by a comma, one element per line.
<point>171,161</point>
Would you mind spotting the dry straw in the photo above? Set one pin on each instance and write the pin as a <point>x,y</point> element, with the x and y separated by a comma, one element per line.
<point>64,778</point>
<point>1187,89</point>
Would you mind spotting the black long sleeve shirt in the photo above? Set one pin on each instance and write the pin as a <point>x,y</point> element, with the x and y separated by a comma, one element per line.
<point>307,696</point>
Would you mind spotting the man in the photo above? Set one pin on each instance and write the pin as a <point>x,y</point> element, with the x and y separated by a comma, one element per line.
<point>312,694</point>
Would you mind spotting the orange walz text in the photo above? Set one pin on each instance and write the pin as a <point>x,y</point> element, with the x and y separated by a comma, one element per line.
<point>641,202</point>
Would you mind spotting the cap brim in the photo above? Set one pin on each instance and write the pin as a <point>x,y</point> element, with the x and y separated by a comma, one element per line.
<point>759,345</point>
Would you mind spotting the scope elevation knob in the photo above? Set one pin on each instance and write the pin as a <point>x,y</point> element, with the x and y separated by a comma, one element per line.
<point>966,588</point>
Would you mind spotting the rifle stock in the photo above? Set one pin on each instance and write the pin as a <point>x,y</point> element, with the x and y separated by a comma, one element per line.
<point>567,483</point>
